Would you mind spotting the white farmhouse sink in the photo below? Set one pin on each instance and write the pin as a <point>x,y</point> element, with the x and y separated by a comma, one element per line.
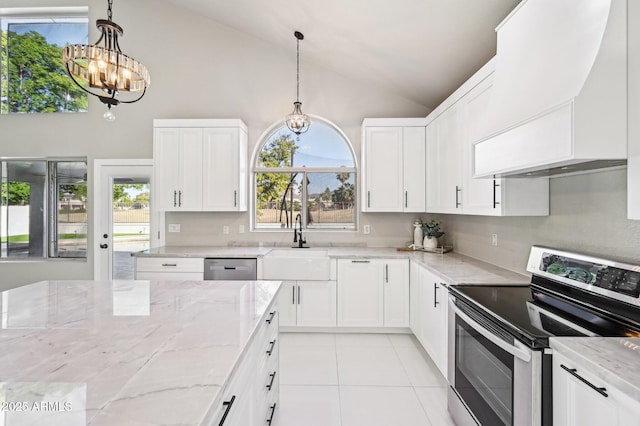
<point>296,264</point>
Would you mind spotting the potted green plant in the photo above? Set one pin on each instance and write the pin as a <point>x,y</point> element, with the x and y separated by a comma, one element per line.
<point>432,232</point>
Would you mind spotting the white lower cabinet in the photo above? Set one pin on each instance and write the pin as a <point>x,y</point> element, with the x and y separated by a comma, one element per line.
<point>429,314</point>
<point>373,292</point>
<point>251,396</point>
<point>169,268</point>
<point>308,303</point>
<point>581,398</point>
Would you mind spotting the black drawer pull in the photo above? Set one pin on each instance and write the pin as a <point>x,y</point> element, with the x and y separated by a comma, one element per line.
<point>360,261</point>
<point>169,264</point>
<point>232,268</point>
<point>273,411</point>
<point>272,344</point>
<point>273,378</point>
<point>228,404</point>
<point>271,315</point>
<point>574,373</point>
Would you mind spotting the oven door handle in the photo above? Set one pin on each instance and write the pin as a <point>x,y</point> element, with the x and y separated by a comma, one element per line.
<point>517,352</point>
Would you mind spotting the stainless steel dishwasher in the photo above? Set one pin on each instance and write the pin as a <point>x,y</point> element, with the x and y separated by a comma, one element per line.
<point>237,269</point>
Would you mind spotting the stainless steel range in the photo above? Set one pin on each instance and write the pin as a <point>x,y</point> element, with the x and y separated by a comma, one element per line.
<point>499,357</point>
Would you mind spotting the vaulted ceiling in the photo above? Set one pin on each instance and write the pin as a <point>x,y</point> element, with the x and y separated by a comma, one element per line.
<point>420,49</point>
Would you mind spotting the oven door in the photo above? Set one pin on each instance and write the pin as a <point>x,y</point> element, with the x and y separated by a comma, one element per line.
<point>493,377</point>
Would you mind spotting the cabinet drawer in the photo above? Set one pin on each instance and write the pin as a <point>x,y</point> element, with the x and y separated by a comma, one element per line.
<point>170,264</point>
<point>180,276</point>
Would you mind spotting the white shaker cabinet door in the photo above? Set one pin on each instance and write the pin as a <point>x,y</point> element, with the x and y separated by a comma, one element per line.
<point>177,166</point>
<point>316,304</point>
<point>224,171</point>
<point>360,293</point>
<point>444,187</point>
<point>396,292</point>
<point>414,169</point>
<point>383,169</point>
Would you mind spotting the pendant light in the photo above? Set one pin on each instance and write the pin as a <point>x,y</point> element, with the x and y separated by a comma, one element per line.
<point>102,70</point>
<point>298,122</point>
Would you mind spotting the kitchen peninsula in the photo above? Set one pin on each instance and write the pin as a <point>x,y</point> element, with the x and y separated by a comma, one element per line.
<point>143,352</point>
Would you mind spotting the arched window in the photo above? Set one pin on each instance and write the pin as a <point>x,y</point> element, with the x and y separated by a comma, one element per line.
<point>313,175</point>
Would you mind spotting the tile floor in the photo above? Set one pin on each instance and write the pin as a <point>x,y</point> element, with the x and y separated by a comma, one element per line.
<point>359,379</point>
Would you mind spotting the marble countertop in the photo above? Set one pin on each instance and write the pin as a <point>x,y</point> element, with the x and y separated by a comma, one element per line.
<point>205,251</point>
<point>123,352</point>
<point>454,268</point>
<point>616,360</point>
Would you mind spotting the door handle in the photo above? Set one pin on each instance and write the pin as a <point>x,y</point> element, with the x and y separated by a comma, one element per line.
<point>574,373</point>
<point>104,246</point>
<point>228,405</point>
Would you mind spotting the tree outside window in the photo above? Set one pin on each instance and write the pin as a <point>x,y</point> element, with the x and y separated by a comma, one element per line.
<point>33,77</point>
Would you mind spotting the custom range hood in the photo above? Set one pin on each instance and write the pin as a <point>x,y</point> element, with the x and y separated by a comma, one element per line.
<point>559,98</point>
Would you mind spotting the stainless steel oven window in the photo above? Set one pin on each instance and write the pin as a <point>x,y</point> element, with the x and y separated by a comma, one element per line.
<point>484,376</point>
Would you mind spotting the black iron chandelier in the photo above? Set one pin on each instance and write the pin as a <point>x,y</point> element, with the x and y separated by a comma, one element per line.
<point>102,70</point>
<point>297,122</point>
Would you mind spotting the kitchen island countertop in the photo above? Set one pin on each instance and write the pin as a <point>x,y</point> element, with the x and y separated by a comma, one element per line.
<point>124,352</point>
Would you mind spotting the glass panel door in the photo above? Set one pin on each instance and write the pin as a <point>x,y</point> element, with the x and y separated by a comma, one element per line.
<point>483,376</point>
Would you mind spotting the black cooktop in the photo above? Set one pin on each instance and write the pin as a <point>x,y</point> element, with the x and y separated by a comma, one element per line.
<point>507,304</point>
<point>533,320</point>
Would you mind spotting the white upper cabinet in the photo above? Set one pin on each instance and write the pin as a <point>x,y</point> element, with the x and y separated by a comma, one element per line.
<point>559,98</point>
<point>393,153</point>
<point>224,156</point>
<point>200,165</point>
<point>451,187</point>
<point>444,162</point>
<point>178,168</point>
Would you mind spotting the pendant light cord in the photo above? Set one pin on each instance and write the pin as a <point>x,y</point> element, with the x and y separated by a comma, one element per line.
<point>297,69</point>
<point>109,12</point>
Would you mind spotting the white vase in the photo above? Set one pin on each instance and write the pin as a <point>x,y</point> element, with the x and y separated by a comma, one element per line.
<point>430,243</point>
<point>417,236</point>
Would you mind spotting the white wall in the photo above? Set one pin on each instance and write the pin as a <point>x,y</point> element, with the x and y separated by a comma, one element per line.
<point>199,69</point>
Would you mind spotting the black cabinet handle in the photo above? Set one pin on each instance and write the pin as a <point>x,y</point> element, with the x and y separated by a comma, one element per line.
<point>386,273</point>
<point>271,315</point>
<point>298,295</point>
<point>273,378</point>
<point>406,199</point>
<point>574,373</point>
<point>228,404</point>
<point>360,261</point>
<point>495,186</point>
<point>235,198</point>
<point>368,198</point>
<point>272,344</point>
<point>174,198</point>
<point>179,198</point>
<point>169,264</point>
<point>273,411</point>
<point>293,301</point>
<point>458,189</point>
<point>435,295</point>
